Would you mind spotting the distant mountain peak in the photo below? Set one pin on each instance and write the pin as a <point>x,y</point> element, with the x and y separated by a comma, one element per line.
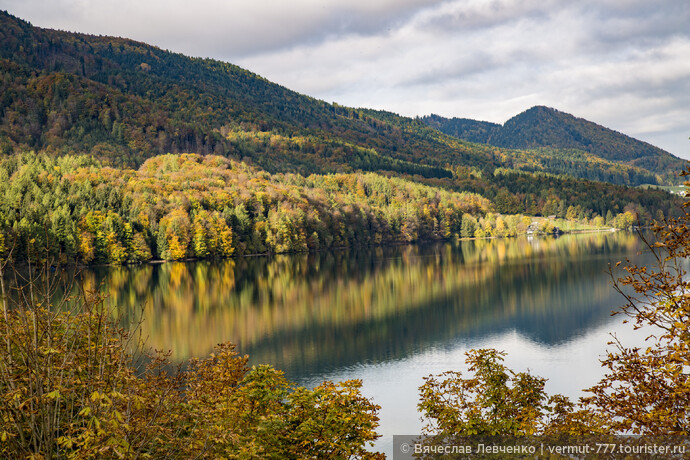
<point>546,127</point>
<point>542,126</point>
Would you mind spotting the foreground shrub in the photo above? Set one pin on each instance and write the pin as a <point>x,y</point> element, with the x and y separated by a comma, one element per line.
<point>69,388</point>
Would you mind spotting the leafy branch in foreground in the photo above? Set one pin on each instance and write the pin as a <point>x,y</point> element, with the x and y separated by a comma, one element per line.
<point>647,391</point>
<point>497,401</point>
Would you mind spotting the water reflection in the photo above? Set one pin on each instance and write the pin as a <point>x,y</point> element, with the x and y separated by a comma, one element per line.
<point>313,313</point>
<point>391,316</point>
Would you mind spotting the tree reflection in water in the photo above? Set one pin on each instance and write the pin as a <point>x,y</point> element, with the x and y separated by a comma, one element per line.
<point>311,313</point>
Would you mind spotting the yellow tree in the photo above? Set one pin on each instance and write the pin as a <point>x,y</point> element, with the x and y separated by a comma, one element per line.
<point>174,235</point>
<point>223,238</point>
<point>200,235</point>
<point>495,401</point>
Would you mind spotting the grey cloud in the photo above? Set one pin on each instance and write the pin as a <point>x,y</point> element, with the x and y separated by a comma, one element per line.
<point>470,65</point>
<point>639,24</point>
<point>341,19</point>
<point>219,29</point>
<point>600,26</point>
<point>462,17</point>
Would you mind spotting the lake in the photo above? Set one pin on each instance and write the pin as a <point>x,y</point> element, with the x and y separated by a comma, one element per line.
<point>392,315</point>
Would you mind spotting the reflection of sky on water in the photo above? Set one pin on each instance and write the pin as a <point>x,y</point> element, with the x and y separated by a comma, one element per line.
<point>569,367</point>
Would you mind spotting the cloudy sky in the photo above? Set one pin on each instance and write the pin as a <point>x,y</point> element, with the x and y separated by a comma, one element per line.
<point>624,64</point>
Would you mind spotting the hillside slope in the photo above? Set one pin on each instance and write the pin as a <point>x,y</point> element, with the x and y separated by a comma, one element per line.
<point>125,100</point>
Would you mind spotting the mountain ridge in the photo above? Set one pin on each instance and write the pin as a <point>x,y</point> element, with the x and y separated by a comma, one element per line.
<point>219,97</point>
<point>97,110</point>
<point>543,127</point>
<point>163,102</point>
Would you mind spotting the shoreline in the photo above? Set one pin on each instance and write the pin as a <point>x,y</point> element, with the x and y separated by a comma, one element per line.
<point>337,248</point>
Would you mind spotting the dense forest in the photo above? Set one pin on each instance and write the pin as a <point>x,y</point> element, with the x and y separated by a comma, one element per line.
<point>188,205</point>
<point>115,151</point>
<point>178,206</point>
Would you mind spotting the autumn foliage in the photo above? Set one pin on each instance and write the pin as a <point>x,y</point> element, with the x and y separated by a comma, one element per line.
<point>73,384</point>
<point>644,391</point>
<point>193,206</point>
<point>647,390</point>
<point>182,206</point>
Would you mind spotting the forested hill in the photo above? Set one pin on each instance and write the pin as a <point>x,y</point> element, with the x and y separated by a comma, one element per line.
<point>110,148</point>
<point>550,130</point>
<point>126,101</point>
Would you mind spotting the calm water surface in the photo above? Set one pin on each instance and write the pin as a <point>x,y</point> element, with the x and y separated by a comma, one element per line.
<point>391,316</point>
